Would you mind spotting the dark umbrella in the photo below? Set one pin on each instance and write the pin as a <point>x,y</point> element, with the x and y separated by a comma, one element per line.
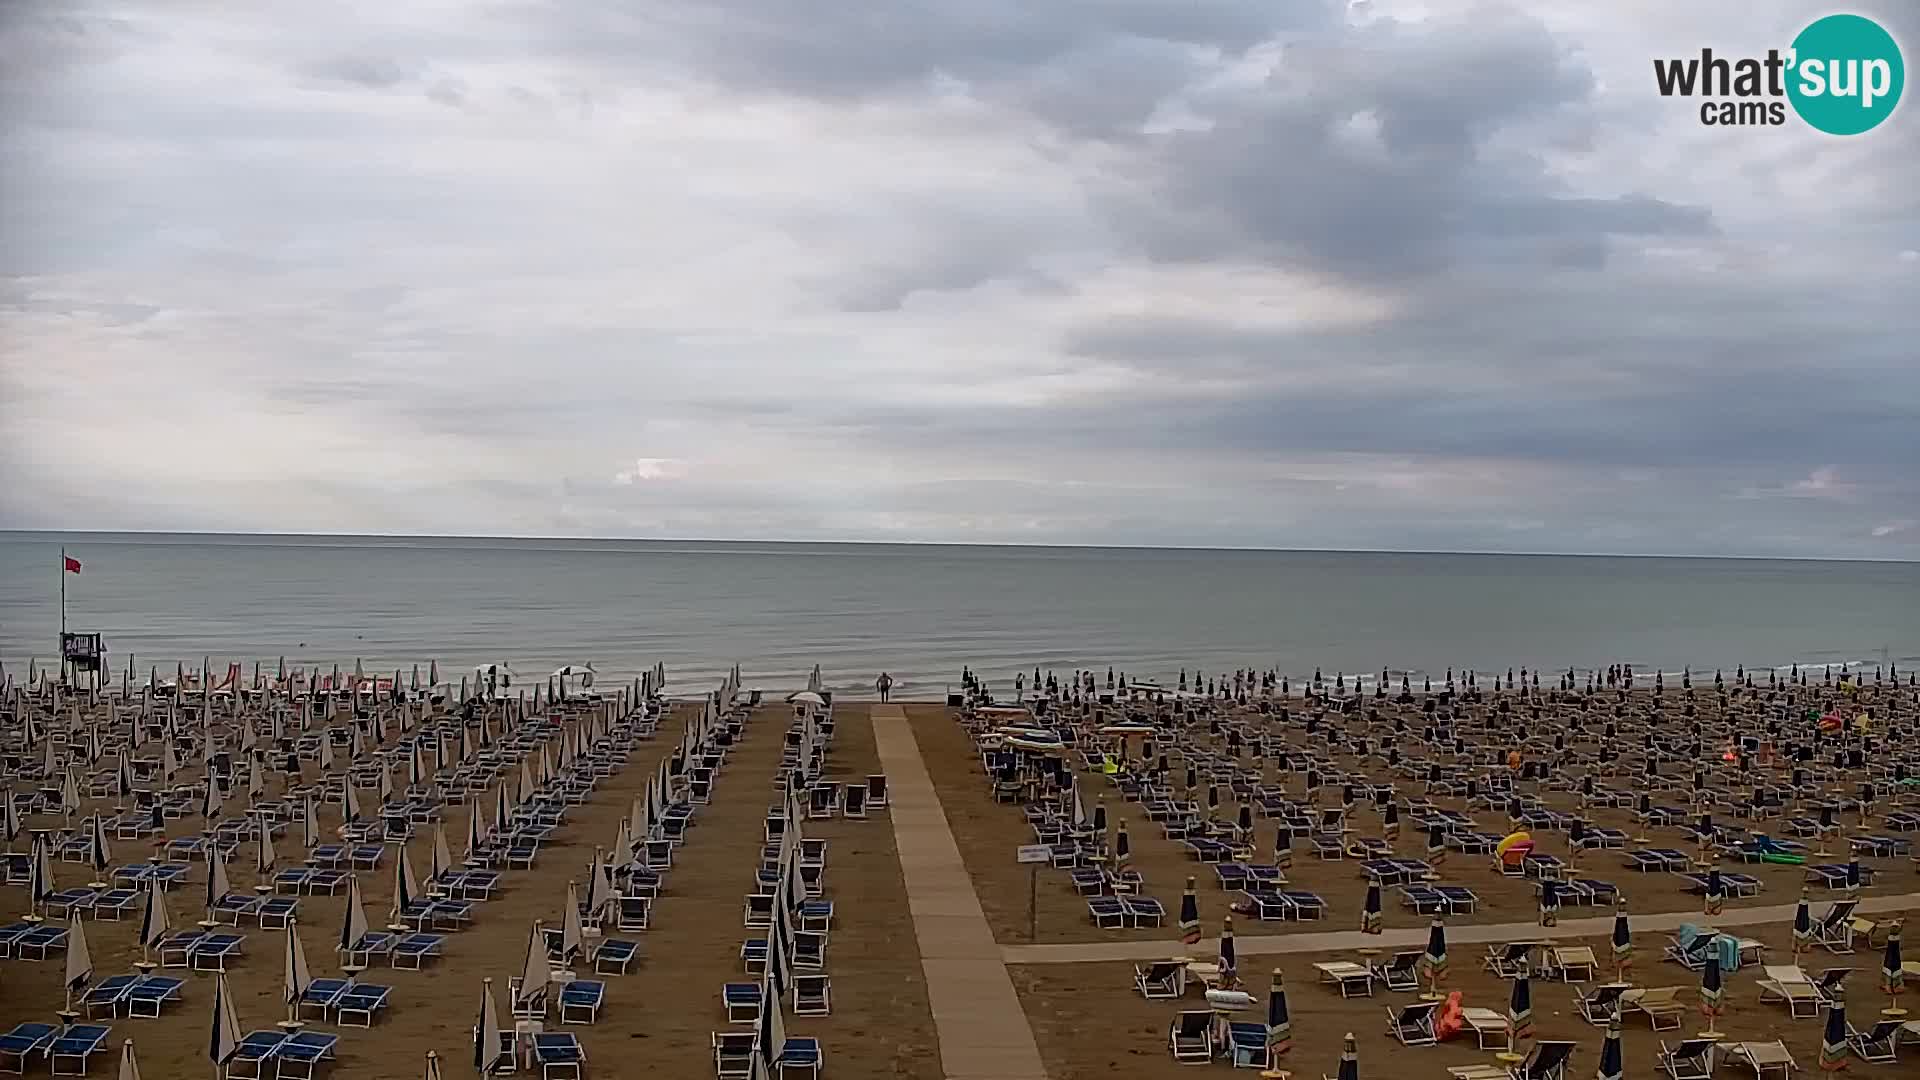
<point>1370,914</point>
<point>1122,848</point>
<point>1390,822</point>
<point>1434,960</point>
<point>1716,892</point>
<point>1349,1060</point>
<point>1549,902</point>
<point>1520,1006</point>
<point>1833,1041</point>
<point>1189,916</point>
<point>1228,961</point>
<point>1100,816</point>
<point>1802,925</point>
<point>1892,978</point>
<point>1436,846</point>
<point>1279,1024</point>
<point>1711,989</point>
<point>1610,1064</point>
<point>1853,877</point>
<point>1283,847</point>
<point>1622,940</point>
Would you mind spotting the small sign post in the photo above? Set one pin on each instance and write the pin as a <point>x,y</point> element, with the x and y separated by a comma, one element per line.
<point>1033,856</point>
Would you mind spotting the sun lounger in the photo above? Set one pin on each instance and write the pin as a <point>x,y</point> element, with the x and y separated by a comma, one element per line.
<point>1602,1004</point>
<point>1161,980</point>
<point>1412,1024</point>
<point>812,995</point>
<point>1351,978</point>
<point>580,1001</point>
<point>560,1055</point>
<point>1304,906</point>
<point>414,950</point>
<point>297,1058</point>
<point>212,951</point>
<point>1834,931</point>
<point>108,994</point>
<point>251,1060</point>
<point>1661,1005</point>
<point>733,1053</point>
<point>1107,913</point>
<point>321,995</point>
<point>1878,1044</point>
<point>1764,1058</point>
<point>753,955</point>
<point>40,942</point>
<point>69,1053</point>
<point>1424,900</point>
<point>357,1006</point>
<point>1190,1036</point>
<point>1143,911</point>
<point>1510,960</point>
<point>1789,984</point>
<point>1548,1061</point>
<point>23,1042</point>
<point>152,993</point>
<point>809,951</point>
<point>615,956</point>
<point>1490,1029</point>
<point>1572,963</point>
<point>742,1002</point>
<point>1692,1059</point>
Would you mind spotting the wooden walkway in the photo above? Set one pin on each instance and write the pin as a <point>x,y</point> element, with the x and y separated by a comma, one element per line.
<point>983,1031</point>
<point>1416,937</point>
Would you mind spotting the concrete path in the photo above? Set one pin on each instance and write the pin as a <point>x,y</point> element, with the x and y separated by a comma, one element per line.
<point>983,1031</point>
<point>1415,937</point>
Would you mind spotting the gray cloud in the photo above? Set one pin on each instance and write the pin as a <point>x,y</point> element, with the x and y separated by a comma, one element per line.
<point>1133,271</point>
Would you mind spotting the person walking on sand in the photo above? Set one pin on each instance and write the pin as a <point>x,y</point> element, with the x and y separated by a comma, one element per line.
<point>884,684</point>
<point>1019,686</point>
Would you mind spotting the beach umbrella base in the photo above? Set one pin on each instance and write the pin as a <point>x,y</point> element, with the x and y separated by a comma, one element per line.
<point>33,917</point>
<point>1893,1012</point>
<point>1433,995</point>
<point>1710,1033</point>
<point>1275,1074</point>
<point>96,885</point>
<point>68,1017</point>
<point>145,967</point>
<point>263,890</point>
<point>291,1025</point>
<point>1508,1057</point>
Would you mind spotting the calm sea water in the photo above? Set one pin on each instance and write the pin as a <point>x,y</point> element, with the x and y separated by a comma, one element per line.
<point>922,611</point>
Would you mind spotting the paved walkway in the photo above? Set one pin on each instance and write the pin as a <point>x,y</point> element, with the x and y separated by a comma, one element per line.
<point>1414,937</point>
<point>983,1031</point>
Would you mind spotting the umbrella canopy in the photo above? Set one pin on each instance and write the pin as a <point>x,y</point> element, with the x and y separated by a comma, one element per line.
<point>1802,924</point>
<point>154,921</point>
<point>353,927</point>
<point>1520,1006</point>
<point>1622,937</point>
<point>1370,918</point>
<point>224,1037</point>
<point>129,1065</point>
<point>1833,1041</point>
<point>79,959</point>
<point>1189,916</point>
<point>1712,986</point>
<point>433,1065</point>
<point>1349,1059</point>
<point>1892,977</point>
<point>1434,960</point>
<point>533,971</point>
<point>1228,958</point>
<point>1611,1067</point>
<point>1279,1023</point>
<point>486,1032</point>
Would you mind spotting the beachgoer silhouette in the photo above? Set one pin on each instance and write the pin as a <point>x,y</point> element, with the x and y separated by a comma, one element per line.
<point>884,684</point>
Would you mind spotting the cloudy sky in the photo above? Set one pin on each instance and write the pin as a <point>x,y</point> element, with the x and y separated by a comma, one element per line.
<point>1213,272</point>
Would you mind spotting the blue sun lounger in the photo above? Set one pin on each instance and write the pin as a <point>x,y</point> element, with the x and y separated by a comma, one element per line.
<point>114,904</point>
<point>753,955</point>
<point>1424,900</point>
<point>296,1058</point>
<point>38,942</point>
<point>321,995</point>
<point>1107,913</point>
<point>151,994</point>
<point>742,1002</point>
<point>1268,905</point>
<point>212,951</point>
<point>1304,905</point>
<point>251,1059</point>
<point>580,1001</point>
<point>69,1053</point>
<point>107,994</point>
<point>276,912</point>
<point>615,956</point>
<point>800,1057</point>
<point>23,1042</point>
<point>233,907</point>
<point>67,901</point>
<point>360,1002</point>
<point>560,1055</point>
<point>414,950</point>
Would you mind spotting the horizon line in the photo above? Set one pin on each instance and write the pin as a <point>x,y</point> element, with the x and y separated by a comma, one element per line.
<point>268,534</point>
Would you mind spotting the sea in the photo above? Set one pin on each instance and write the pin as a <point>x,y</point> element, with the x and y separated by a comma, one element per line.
<point>923,611</point>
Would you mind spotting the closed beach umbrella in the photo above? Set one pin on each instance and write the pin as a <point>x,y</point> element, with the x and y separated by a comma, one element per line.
<point>297,977</point>
<point>1349,1060</point>
<point>1229,961</point>
<point>1279,1023</point>
<point>129,1065</point>
<point>433,1065</point>
<point>1520,1006</point>
<point>1712,986</point>
<point>79,960</point>
<point>1716,892</point>
<point>1802,925</point>
<point>1623,939</point>
<point>1611,1067</point>
<point>1100,816</point>
<point>224,1036</point>
<point>1436,846</point>
<point>1189,916</point>
<point>1370,912</point>
<point>1390,821</point>
<point>154,922</point>
<point>1892,977</point>
<point>1283,847</point>
<point>1122,848</point>
<point>1434,960</point>
<point>533,972</point>
<point>1549,902</point>
<point>99,854</point>
<point>353,926</point>
<point>486,1032</point>
<point>1853,877</point>
<point>1833,1041</point>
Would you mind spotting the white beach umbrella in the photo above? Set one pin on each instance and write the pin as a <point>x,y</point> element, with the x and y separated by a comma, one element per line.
<point>212,802</point>
<point>405,889</point>
<point>533,972</point>
<point>224,1039</point>
<point>297,975</point>
<point>9,816</point>
<point>217,883</point>
<point>487,1050</point>
<point>129,1065</point>
<point>572,935</point>
<point>79,960</point>
<point>99,854</point>
<point>155,923</point>
<point>350,805</point>
<point>310,824</point>
<point>265,857</point>
<point>441,863</point>
<point>353,928</point>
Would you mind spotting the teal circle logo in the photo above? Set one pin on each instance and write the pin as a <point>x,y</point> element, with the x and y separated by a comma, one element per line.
<point>1847,74</point>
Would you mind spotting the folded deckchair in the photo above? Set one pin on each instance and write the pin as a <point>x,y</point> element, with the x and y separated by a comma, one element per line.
<point>1789,984</point>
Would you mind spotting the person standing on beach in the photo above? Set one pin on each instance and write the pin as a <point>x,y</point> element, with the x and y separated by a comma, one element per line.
<point>884,684</point>
<point>1019,686</point>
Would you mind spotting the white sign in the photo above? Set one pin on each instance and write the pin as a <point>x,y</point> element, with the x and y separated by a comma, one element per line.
<point>1033,853</point>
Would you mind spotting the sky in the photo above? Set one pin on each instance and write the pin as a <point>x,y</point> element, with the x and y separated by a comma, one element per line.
<point>1439,276</point>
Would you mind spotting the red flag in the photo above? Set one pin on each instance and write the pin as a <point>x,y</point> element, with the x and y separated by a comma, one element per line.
<point>73,564</point>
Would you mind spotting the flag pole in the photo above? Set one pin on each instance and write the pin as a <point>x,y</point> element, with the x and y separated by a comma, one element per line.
<point>63,613</point>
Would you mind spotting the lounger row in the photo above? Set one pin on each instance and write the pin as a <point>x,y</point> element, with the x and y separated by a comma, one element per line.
<point>131,995</point>
<point>66,1049</point>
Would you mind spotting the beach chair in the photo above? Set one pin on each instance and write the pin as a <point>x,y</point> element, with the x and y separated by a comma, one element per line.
<point>759,912</point>
<point>108,994</point>
<point>321,995</point>
<point>742,1002</point>
<point>23,1042</point>
<point>1267,905</point>
<point>559,1055</point>
<point>1661,1005</point>
<point>1143,911</point>
<point>634,913</point>
<point>1831,985</point>
<point>1788,984</point>
<point>1460,899</point>
<point>1602,1004</point>
<point>854,803</point>
<point>1107,913</point>
<point>614,956</point>
<point>1692,1059</point>
<point>1402,972</point>
<point>1246,1045</point>
<point>1349,977</point>
<point>809,951</point>
<point>1510,960</point>
<point>360,1001</point>
<point>812,995</point>
<point>1878,1044</point>
<point>1834,930</point>
<point>1161,980</point>
<point>301,1055</point>
<point>1424,899</point>
<point>1490,1029</point>
<point>234,908</point>
<point>151,994</point>
<point>800,1056</point>
<point>753,955</point>
<point>276,912</point>
<point>212,951</point>
<point>816,915</point>
<point>39,942</point>
<point>1572,963</point>
<point>877,790</point>
<point>1304,906</point>
<point>1088,881</point>
<point>580,1001</point>
<point>114,905</point>
<point>733,1053</point>
<point>69,1053</point>
<point>413,951</point>
<point>1190,1036</point>
<point>1692,955</point>
<point>1412,1024</point>
<point>1548,1061</point>
<point>1764,1058</point>
<point>251,1059</point>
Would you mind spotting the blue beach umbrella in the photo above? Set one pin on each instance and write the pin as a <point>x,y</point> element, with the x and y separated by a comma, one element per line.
<point>1279,1023</point>
<point>1228,960</point>
<point>1434,960</point>
<point>1349,1060</point>
<point>1802,925</point>
<point>1611,1067</point>
<point>1623,938</point>
<point>1833,1041</point>
<point>1390,822</point>
<point>1520,1006</point>
<point>1853,877</point>
<point>1716,892</point>
<point>1189,916</point>
<point>1892,977</point>
<point>1283,847</point>
<point>1436,846</point>
<point>1370,913</point>
<point>1712,988</point>
<point>1549,902</point>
